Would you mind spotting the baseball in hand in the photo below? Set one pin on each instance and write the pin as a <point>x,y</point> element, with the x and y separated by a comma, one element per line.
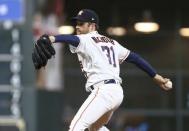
<point>169,84</point>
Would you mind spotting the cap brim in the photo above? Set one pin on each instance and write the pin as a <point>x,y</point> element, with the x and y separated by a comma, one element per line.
<point>74,19</point>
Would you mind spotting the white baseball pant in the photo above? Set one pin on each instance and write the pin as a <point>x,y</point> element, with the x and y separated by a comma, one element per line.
<point>98,108</point>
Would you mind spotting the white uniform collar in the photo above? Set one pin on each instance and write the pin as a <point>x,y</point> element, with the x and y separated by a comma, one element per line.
<point>93,32</point>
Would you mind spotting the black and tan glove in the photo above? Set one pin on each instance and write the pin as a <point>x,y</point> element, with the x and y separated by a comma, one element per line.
<point>43,50</point>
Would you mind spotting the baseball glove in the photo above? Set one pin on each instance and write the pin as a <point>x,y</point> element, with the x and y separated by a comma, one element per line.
<point>43,50</point>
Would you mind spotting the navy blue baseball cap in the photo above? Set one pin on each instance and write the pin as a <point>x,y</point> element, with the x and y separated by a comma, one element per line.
<point>86,15</point>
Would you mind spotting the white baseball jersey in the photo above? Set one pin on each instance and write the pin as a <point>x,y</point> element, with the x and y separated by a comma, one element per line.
<point>99,57</point>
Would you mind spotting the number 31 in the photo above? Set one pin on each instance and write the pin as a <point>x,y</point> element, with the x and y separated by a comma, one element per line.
<point>109,52</point>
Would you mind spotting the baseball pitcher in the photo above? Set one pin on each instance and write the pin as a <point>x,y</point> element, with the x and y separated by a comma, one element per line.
<point>100,58</point>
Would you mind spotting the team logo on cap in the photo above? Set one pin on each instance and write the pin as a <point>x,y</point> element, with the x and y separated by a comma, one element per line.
<point>80,12</point>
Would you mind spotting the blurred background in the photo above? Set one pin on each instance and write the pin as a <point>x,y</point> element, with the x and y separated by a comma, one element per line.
<point>47,100</point>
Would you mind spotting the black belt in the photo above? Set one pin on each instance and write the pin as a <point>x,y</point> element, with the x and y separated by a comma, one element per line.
<point>110,81</point>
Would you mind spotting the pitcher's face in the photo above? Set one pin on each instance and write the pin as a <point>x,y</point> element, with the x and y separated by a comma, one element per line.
<point>83,27</point>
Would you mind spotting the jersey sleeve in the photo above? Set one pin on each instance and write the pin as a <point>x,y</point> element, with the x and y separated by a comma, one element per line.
<point>81,45</point>
<point>123,52</point>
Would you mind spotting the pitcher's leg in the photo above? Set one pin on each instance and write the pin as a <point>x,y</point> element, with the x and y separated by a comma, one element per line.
<point>92,109</point>
<point>103,128</point>
<point>99,124</point>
